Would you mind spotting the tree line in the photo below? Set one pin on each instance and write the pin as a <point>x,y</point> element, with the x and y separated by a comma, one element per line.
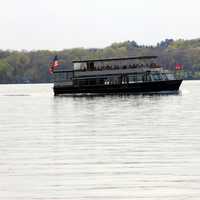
<point>32,66</point>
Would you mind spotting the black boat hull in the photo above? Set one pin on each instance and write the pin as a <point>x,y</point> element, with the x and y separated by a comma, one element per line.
<point>143,87</point>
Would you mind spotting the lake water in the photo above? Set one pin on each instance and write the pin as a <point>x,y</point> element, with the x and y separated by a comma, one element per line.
<point>99,148</point>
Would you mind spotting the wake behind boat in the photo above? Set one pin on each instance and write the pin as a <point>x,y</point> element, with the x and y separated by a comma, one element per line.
<point>115,75</point>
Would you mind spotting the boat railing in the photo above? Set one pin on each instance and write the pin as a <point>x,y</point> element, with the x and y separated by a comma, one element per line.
<point>116,67</point>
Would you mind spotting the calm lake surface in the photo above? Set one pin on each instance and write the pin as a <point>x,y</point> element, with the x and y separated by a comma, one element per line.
<point>88,148</point>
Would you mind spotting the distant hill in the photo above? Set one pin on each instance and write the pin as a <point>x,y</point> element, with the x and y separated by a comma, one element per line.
<point>185,44</point>
<point>32,66</point>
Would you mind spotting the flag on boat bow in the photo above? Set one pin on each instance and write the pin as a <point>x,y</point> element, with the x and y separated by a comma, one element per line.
<point>54,64</point>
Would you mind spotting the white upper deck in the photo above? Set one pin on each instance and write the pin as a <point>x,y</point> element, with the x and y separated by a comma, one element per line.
<point>115,63</point>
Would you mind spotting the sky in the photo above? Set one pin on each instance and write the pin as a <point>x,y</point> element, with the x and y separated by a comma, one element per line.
<point>64,24</point>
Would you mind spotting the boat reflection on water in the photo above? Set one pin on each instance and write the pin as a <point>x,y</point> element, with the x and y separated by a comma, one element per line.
<point>145,94</point>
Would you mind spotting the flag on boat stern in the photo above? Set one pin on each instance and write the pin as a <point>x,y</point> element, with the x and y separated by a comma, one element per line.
<point>179,66</point>
<point>54,64</point>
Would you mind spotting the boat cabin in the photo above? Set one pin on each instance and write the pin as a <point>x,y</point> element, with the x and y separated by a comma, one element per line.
<point>112,71</point>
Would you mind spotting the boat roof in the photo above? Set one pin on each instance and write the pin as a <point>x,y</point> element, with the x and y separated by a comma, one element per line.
<point>114,59</point>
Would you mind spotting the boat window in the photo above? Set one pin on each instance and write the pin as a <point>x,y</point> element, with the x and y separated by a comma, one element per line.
<point>140,77</point>
<point>156,77</point>
<point>112,80</point>
<point>164,77</point>
<point>98,81</point>
<point>85,81</point>
<point>148,77</point>
<point>170,76</point>
<point>132,78</point>
<point>136,78</point>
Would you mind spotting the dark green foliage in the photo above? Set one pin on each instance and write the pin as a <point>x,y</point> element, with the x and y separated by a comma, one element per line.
<point>24,66</point>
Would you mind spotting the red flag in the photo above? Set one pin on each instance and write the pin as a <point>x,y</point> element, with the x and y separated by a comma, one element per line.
<point>179,66</point>
<point>53,65</point>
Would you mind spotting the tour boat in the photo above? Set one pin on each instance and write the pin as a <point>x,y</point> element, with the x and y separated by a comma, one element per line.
<point>115,75</point>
